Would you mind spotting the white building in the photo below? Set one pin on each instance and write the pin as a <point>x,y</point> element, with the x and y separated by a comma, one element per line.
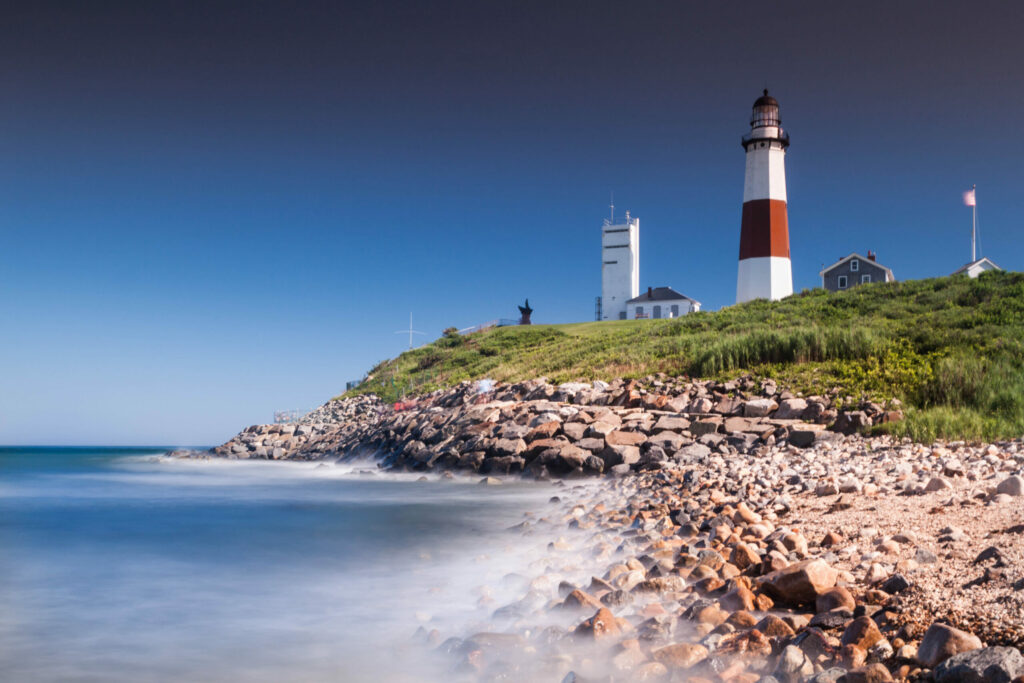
<point>620,265</point>
<point>976,268</point>
<point>660,302</point>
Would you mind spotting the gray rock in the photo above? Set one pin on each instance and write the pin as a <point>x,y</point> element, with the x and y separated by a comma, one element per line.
<point>759,407</point>
<point>851,422</point>
<point>667,440</point>
<point>791,409</point>
<point>1011,486</point>
<point>988,665</point>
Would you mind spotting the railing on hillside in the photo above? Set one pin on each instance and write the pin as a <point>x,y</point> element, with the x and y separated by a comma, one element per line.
<point>497,322</point>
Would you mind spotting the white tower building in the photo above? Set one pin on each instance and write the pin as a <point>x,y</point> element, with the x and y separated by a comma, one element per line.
<point>620,265</point>
<point>765,271</point>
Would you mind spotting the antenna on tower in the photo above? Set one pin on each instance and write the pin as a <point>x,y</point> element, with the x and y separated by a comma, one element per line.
<point>612,207</point>
<point>410,331</point>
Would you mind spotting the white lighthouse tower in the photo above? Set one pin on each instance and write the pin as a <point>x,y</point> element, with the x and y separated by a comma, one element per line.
<point>765,270</point>
<point>620,265</point>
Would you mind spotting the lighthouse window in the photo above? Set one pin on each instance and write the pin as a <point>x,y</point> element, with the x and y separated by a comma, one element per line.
<point>855,265</point>
<point>842,282</point>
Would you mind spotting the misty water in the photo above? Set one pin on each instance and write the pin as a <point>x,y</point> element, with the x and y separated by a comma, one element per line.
<point>119,565</point>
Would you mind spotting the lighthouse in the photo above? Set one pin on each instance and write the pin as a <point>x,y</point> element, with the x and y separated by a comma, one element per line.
<point>765,271</point>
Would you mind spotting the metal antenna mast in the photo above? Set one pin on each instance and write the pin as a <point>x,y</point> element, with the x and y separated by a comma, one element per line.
<point>974,223</point>
<point>410,331</point>
<point>612,207</point>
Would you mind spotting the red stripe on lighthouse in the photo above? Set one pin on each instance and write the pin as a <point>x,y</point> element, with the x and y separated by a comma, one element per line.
<point>765,229</point>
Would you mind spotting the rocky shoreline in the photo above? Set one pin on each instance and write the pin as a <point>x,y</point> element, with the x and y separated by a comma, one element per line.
<point>743,537</point>
<point>572,429</point>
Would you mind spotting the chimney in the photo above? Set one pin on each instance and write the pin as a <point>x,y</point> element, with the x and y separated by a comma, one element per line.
<point>649,293</point>
<point>871,255</point>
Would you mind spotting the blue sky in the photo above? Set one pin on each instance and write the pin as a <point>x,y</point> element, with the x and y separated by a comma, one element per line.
<point>213,211</point>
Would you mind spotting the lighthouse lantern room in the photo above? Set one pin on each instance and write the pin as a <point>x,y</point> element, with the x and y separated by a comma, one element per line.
<point>765,271</point>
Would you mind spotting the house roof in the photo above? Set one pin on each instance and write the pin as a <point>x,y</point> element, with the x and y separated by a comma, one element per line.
<point>660,294</point>
<point>982,260</point>
<point>888,271</point>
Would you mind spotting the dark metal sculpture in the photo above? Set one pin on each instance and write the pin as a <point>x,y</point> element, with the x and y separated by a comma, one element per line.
<point>525,311</point>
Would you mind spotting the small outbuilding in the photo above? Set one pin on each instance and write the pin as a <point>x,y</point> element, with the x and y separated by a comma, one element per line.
<point>661,302</point>
<point>854,270</point>
<point>976,268</point>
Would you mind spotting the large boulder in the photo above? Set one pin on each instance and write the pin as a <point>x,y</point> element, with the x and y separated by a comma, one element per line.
<point>942,641</point>
<point>851,422</point>
<point>759,407</point>
<point>791,409</point>
<point>672,423</point>
<point>987,665</point>
<point>800,582</point>
<point>668,440</point>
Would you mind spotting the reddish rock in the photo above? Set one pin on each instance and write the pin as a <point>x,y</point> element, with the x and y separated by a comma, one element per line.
<point>744,556</point>
<point>581,600</point>
<point>862,632</point>
<point>621,438</point>
<point>852,656</point>
<point>739,598</point>
<point>774,627</point>
<point>601,625</point>
<point>835,598</point>
<point>680,655</point>
<point>801,582</point>
<point>750,643</point>
<point>543,431</point>
<point>940,642</point>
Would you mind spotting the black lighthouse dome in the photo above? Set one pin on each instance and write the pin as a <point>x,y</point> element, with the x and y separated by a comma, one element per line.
<point>765,124</point>
<point>766,111</point>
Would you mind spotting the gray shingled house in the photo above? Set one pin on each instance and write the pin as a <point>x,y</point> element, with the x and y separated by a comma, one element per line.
<point>854,270</point>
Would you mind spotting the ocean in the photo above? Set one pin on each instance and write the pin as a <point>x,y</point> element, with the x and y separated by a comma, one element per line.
<point>119,565</point>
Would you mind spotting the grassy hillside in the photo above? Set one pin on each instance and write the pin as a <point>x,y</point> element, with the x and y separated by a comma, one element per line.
<point>951,348</point>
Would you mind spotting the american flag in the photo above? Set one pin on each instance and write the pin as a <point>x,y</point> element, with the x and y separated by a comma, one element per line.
<point>970,199</point>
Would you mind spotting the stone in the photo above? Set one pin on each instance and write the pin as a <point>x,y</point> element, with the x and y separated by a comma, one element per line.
<point>872,673</point>
<point>987,665</point>
<point>851,422</point>
<point>667,440</point>
<point>862,632</point>
<point>801,582</point>
<point>621,438</point>
<point>774,627</point>
<point>791,409</point>
<point>940,642</point>
<point>602,625</point>
<point>739,598</point>
<point>794,663</point>
<point>937,484</point>
<point>581,600</point>
<point>759,407</point>
<point>694,451</point>
<point>897,583</point>
<point>675,424</point>
<point>618,455</point>
<point>703,427</point>
<point>802,438</point>
<point>835,598</point>
<point>680,655</point>
<point>1011,486</point>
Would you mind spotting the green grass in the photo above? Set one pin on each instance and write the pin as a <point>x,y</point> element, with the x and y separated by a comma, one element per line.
<point>951,348</point>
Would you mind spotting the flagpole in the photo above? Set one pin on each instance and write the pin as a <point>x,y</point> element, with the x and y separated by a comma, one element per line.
<point>974,223</point>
